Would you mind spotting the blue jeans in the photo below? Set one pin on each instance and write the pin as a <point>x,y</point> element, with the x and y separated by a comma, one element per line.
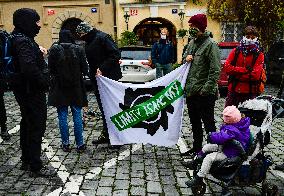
<point>162,70</point>
<point>78,124</point>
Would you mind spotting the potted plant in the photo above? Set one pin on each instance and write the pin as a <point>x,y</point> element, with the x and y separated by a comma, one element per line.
<point>128,38</point>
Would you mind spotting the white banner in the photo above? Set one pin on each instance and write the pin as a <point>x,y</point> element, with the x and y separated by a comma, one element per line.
<point>144,113</point>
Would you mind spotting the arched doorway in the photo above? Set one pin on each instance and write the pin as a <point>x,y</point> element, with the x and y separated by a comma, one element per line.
<point>148,30</point>
<point>71,24</point>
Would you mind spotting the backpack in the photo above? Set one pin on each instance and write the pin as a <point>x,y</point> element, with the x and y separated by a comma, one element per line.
<point>7,68</point>
<point>258,85</point>
<point>68,65</point>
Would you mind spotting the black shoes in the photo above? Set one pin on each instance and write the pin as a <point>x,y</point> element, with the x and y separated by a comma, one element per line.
<point>192,165</point>
<point>4,133</point>
<point>190,153</point>
<point>101,140</point>
<point>43,172</point>
<point>65,148</point>
<point>195,181</point>
<point>279,167</point>
<point>82,148</point>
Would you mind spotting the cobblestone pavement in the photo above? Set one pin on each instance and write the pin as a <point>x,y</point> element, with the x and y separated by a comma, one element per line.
<point>131,170</point>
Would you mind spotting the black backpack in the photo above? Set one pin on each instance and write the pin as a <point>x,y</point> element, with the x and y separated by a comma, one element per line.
<point>68,65</point>
<point>7,67</point>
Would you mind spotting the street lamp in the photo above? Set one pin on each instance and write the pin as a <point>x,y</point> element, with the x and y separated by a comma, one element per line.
<point>181,14</point>
<point>126,17</point>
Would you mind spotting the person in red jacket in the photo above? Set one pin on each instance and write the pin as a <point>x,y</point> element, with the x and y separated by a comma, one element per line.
<point>245,68</point>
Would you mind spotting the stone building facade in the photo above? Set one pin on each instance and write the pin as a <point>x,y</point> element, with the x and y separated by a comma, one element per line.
<point>61,14</point>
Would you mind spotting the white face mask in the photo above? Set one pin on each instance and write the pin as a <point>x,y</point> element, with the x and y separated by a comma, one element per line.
<point>249,41</point>
<point>163,36</point>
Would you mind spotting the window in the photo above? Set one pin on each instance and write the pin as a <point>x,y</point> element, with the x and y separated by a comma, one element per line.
<point>232,31</point>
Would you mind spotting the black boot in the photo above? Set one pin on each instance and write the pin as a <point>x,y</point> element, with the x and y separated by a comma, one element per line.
<point>4,133</point>
<point>43,172</point>
<point>192,165</point>
<point>195,181</point>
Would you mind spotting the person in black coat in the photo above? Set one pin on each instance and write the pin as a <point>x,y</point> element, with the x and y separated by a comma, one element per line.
<point>3,117</point>
<point>103,57</point>
<point>29,85</point>
<point>67,64</point>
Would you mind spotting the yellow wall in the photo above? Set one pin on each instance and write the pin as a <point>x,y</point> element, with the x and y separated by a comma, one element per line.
<point>103,19</point>
<point>164,11</point>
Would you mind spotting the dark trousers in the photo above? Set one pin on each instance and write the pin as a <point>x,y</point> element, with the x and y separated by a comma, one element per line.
<point>97,94</point>
<point>3,116</point>
<point>237,98</point>
<point>32,126</point>
<point>201,108</point>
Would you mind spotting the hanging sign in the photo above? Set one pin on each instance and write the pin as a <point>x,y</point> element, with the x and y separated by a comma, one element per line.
<point>94,10</point>
<point>174,11</point>
<point>50,12</point>
<point>133,12</point>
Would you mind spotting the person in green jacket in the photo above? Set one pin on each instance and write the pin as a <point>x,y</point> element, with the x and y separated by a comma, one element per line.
<point>201,86</point>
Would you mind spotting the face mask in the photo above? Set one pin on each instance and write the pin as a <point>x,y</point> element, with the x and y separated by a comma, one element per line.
<point>163,36</point>
<point>193,31</point>
<point>248,42</point>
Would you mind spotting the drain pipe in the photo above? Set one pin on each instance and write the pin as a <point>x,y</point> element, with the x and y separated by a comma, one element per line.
<point>114,20</point>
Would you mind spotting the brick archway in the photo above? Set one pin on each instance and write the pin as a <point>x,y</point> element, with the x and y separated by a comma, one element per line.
<point>57,23</point>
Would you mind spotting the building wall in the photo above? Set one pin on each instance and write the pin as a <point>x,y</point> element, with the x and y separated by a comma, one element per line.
<point>163,8</point>
<point>51,24</point>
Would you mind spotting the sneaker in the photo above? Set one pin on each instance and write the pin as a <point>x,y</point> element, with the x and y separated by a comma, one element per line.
<point>81,148</point>
<point>65,148</point>
<point>101,140</point>
<point>43,172</point>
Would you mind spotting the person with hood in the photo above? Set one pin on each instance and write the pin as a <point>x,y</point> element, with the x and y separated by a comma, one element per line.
<point>235,127</point>
<point>67,65</point>
<point>245,68</point>
<point>201,86</point>
<point>162,54</point>
<point>29,84</point>
<point>3,116</point>
<point>103,57</point>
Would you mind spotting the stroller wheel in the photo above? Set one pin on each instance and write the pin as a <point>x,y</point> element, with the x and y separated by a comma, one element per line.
<point>199,189</point>
<point>269,189</point>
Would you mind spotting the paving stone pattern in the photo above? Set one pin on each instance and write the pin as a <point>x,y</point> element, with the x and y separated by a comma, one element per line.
<point>131,170</point>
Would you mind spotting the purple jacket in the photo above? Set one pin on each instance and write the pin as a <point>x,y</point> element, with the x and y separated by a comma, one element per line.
<point>239,131</point>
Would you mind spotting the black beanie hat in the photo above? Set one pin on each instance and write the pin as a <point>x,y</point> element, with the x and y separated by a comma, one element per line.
<point>25,20</point>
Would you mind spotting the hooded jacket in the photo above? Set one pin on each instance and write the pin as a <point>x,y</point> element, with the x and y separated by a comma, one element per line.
<point>102,53</point>
<point>31,69</point>
<point>67,64</point>
<point>205,66</point>
<point>239,131</point>
<point>162,52</point>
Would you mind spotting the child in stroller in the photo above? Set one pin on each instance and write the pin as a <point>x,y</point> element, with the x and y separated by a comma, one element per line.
<point>250,167</point>
<point>235,127</point>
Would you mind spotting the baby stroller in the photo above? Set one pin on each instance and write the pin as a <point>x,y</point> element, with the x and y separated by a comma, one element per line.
<point>251,166</point>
